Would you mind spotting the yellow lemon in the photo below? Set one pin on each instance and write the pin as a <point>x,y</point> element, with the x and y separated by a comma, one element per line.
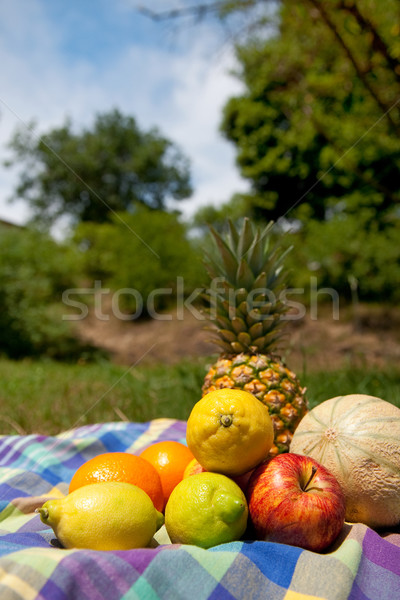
<point>110,515</point>
<point>229,431</point>
<point>205,510</point>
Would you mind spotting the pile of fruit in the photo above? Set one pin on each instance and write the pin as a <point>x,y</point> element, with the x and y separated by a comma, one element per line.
<point>257,463</point>
<point>225,485</point>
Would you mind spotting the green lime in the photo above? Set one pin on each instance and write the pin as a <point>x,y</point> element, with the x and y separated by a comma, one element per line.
<point>205,510</point>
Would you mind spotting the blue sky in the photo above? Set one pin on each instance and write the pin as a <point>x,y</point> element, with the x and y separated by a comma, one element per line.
<point>77,58</point>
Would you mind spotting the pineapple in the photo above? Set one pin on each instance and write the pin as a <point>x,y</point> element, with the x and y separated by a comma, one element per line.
<point>245,310</point>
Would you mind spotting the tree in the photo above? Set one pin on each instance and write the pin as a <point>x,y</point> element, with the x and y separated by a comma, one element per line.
<point>316,132</point>
<point>320,117</point>
<point>91,174</point>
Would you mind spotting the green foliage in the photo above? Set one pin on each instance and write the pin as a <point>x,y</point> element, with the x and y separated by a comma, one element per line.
<point>348,251</point>
<point>141,253</point>
<point>87,175</point>
<point>320,117</point>
<point>34,271</point>
<point>316,132</point>
<point>236,208</point>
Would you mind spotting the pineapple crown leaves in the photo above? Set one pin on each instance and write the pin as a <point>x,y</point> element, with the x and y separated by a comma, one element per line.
<point>247,275</point>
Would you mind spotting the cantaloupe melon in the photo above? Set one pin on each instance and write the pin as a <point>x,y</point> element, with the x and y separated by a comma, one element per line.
<point>357,438</point>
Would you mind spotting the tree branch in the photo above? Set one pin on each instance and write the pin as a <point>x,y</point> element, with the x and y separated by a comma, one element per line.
<point>378,44</point>
<point>198,10</point>
<point>386,110</point>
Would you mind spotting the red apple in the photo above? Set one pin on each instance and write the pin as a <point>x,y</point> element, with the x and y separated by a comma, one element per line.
<point>295,500</point>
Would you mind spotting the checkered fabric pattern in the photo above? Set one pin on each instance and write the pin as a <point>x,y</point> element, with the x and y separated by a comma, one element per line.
<point>362,565</point>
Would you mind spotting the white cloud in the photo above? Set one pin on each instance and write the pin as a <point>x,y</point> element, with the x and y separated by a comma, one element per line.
<point>181,92</point>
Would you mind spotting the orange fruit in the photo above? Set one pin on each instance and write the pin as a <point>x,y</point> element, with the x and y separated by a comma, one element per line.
<point>194,467</point>
<point>170,459</point>
<point>121,466</point>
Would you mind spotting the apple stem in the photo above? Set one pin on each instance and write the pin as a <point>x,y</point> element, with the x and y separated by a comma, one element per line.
<point>313,471</point>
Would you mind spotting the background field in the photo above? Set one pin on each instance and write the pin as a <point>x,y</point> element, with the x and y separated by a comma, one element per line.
<point>155,369</point>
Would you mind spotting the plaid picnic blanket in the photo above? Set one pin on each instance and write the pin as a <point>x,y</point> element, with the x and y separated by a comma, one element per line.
<point>362,565</point>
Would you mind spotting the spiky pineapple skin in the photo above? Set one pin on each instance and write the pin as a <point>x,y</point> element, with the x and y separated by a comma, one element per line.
<point>268,378</point>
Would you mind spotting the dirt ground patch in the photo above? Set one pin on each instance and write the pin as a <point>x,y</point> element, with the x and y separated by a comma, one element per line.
<point>372,337</point>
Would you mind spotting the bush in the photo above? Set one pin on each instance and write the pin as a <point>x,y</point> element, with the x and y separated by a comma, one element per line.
<point>349,249</point>
<point>34,270</point>
<point>138,254</point>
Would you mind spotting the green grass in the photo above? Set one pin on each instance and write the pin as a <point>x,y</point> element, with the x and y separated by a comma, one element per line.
<point>384,384</point>
<point>49,397</point>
